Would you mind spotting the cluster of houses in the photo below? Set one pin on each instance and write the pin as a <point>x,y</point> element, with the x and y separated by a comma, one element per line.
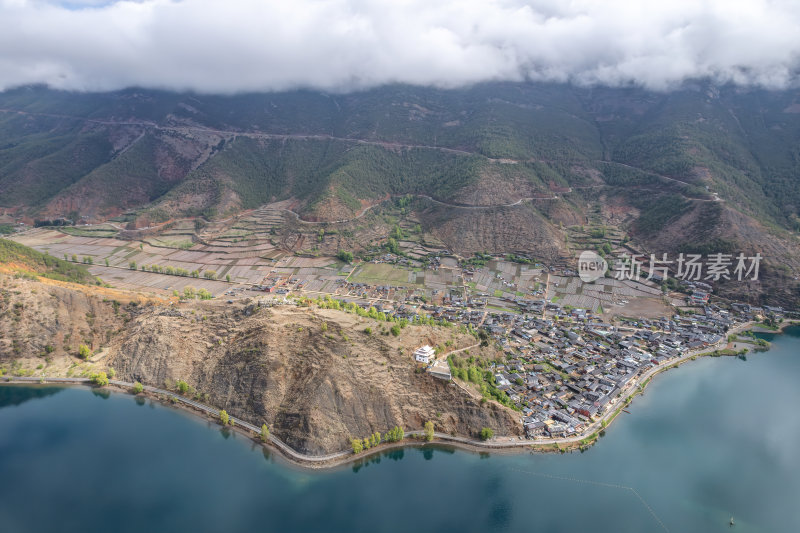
<point>279,284</point>
<point>751,312</point>
<point>563,374</point>
<point>367,290</point>
<point>701,292</point>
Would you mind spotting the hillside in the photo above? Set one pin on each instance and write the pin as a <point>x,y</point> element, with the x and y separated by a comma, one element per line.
<point>16,257</point>
<point>394,140</point>
<point>315,386</point>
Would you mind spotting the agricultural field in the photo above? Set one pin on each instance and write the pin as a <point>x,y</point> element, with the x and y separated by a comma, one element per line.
<point>257,249</point>
<point>383,273</point>
<point>608,296</point>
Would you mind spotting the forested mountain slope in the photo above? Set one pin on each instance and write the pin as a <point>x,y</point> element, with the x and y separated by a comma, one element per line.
<point>697,168</point>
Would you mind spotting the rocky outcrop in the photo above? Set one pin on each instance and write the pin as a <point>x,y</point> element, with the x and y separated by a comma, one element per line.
<point>315,389</point>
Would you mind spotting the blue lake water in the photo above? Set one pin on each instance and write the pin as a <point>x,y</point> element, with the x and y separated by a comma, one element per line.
<point>716,438</point>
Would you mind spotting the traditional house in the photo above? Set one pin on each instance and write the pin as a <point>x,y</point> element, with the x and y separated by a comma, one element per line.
<point>424,354</point>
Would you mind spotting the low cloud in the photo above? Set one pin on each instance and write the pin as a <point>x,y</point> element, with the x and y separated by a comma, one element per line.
<point>339,45</point>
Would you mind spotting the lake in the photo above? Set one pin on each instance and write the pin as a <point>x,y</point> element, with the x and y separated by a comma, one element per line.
<point>716,438</point>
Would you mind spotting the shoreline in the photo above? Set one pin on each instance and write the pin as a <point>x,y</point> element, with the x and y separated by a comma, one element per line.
<point>412,438</point>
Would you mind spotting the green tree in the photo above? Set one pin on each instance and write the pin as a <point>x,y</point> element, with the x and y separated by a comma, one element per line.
<point>394,435</point>
<point>395,330</point>
<point>106,261</point>
<point>182,386</point>
<point>358,447</point>
<point>487,433</point>
<point>132,265</point>
<point>224,418</point>
<point>112,373</point>
<point>264,433</point>
<point>345,256</point>
<point>428,431</point>
<point>84,351</point>
<point>324,326</point>
<point>138,388</point>
<point>228,278</point>
<point>74,258</point>
<point>100,379</point>
<point>375,439</point>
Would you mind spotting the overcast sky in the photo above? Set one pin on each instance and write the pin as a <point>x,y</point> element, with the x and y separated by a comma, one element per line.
<point>338,45</point>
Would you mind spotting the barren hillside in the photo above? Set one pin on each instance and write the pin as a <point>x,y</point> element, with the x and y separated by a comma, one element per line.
<point>315,385</point>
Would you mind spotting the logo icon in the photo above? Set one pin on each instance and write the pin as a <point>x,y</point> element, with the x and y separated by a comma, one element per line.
<point>591,266</point>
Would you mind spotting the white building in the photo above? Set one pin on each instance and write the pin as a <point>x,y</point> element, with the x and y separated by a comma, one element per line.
<point>424,354</point>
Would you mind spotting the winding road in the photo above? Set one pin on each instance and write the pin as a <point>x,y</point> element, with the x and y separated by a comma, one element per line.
<point>184,129</point>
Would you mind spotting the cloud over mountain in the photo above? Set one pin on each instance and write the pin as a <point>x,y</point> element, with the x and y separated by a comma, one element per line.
<point>338,45</point>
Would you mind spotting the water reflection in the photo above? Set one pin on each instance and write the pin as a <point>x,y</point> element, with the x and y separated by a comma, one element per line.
<point>395,455</point>
<point>11,395</point>
<point>358,465</point>
<point>102,393</point>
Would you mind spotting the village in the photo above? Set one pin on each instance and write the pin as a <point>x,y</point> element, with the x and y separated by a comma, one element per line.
<point>565,367</point>
<point>572,349</point>
<point>565,370</point>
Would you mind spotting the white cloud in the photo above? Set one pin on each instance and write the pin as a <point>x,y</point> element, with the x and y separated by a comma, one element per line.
<point>254,45</point>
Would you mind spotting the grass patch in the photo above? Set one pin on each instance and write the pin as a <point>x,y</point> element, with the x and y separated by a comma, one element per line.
<point>380,273</point>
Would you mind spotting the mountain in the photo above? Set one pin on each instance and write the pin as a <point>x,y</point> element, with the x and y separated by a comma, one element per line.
<point>704,168</point>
